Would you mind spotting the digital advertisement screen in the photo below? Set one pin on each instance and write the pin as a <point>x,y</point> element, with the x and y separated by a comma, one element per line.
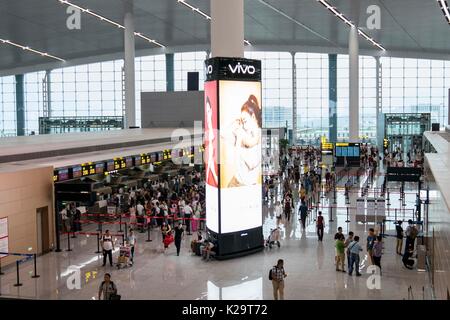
<point>240,155</point>
<point>99,167</point>
<point>137,161</point>
<point>129,162</point>
<point>110,165</point>
<point>210,157</point>
<point>76,172</point>
<point>63,174</point>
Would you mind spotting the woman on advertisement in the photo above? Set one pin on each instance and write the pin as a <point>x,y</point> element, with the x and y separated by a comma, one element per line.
<point>246,138</point>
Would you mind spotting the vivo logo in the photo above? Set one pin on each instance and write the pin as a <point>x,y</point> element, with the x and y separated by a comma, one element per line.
<point>239,68</point>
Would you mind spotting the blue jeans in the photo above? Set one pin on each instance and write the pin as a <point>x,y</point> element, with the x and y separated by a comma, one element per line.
<point>354,259</point>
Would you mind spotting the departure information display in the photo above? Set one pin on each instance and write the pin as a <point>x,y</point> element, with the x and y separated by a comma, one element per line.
<point>119,163</point>
<point>87,169</point>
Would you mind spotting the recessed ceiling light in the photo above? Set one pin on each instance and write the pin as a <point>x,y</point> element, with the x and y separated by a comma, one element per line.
<point>445,9</point>
<point>27,48</point>
<point>101,18</point>
<point>204,15</point>
<point>350,24</point>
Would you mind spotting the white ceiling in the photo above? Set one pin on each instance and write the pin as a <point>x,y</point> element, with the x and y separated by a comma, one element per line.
<point>409,28</point>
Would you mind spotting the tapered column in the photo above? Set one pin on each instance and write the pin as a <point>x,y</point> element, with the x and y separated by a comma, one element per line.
<point>129,55</point>
<point>227,28</point>
<point>353,53</point>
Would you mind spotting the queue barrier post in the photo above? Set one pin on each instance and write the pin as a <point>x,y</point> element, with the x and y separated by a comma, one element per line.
<point>120,223</point>
<point>123,239</point>
<point>35,275</point>
<point>68,242</point>
<point>331,214</point>
<point>126,230</point>
<point>348,220</point>
<point>98,243</point>
<point>148,235</point>
<point>18,284</point>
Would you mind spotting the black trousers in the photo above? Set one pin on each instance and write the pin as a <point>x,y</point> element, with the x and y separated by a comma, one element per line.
<point>303,219</point>
<point>132,253</point>
<point>287,214</point>
<point>178,245</point>
<point>377,262</point>
<point>320,232</point>
<point>109,254</point>
<point>188,222</point>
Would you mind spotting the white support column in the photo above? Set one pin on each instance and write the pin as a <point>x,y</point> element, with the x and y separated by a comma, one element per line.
<point>129,55</point>
<point>227,28</point>
<point>378,102</point>
<point>353,53</point>
<point>294,100</point>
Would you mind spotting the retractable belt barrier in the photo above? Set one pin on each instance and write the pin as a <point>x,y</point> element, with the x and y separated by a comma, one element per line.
<point>27,257</point>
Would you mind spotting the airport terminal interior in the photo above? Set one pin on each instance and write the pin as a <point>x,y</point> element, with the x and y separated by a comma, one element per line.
<point>179,149</point>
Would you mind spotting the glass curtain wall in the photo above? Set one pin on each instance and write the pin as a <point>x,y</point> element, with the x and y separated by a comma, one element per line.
<point>409,86</point>
<point>312,97</point>
<point>276,87</point>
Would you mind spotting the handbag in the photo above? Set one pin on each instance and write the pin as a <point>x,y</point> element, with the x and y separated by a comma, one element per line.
<point>115,296</point>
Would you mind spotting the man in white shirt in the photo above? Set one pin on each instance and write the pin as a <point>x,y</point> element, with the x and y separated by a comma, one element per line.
<point>140,216</point>
<point>188,215</point>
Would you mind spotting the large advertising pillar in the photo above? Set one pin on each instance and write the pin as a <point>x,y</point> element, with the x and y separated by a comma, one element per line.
<point>233,121</point>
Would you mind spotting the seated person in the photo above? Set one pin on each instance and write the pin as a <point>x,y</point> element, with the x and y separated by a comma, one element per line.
<point>207,249</point>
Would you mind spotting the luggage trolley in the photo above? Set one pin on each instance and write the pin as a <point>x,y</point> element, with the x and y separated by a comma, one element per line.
<point>123,260</point>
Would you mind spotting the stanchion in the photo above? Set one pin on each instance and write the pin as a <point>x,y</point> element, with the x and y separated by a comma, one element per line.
<point>148,236</point>
<point>18,284</point>
<point>68,243</point>
<point>123,239</point>
<point>395,213</point>
<point>348,220</point>
<point>126,230</point>
<point>120,223</point>
<point>334,195</point>
<point>98,243</point>
<point>331,214</point>
<point>35,267</point>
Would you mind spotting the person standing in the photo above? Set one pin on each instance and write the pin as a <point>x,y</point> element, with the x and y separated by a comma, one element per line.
<point>287,208</point>
<point>354,248</point>
<point>370,241</point>
<point>107,288</point>
<point>399,231</point>
<point>346,245</point>
<point>132,242</point>
<point>179,231</point>
<point>303,209</point>
<point>411,234</point>
<point>108,247</point>
<point>377,252</point>
<point>277,276</point>
<point>278,212</point>
<point>338,233</point>
<point>187,216</point>
<point>320,226</point>
<point>340,253</point>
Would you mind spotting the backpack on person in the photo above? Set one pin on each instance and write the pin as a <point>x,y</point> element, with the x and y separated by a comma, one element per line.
<point>270,274</point>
